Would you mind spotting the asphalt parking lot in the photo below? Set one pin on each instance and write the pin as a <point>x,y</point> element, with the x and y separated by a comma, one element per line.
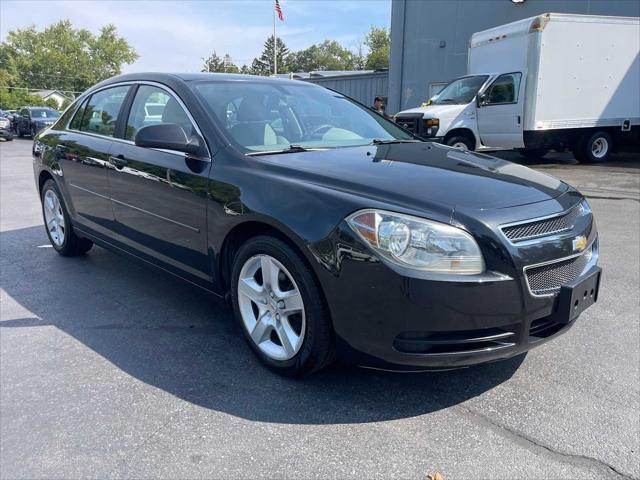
<point>110,369</point>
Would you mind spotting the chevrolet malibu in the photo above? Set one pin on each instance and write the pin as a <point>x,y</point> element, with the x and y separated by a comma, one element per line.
<point>332,232</point>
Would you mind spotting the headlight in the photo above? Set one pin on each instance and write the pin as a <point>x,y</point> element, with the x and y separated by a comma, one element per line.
<point>418,243</point>
<point>432,122</point>
<point>585,209</point>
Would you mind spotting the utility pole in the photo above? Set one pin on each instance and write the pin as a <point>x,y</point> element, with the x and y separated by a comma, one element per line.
<point>275,43</point>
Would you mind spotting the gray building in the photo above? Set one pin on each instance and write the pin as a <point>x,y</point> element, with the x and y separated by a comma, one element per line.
<point>430,38</point>
<point>363,85</point>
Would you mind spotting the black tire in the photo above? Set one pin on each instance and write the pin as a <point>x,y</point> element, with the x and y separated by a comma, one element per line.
<point>533,153</point>
<point>8,139</point>
<point>458,139</point>
<point>590,148</point>
<point>317,349</point>
<point>72,245</point>
<point>19,132</point>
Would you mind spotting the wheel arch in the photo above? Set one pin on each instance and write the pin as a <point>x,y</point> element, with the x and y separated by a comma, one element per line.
<point>463,131</point>
<point>244,231</point>
<point>42,179</point>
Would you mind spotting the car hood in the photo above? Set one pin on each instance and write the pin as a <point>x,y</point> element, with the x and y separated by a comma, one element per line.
<point>421,175</point>
<point>436,111</point>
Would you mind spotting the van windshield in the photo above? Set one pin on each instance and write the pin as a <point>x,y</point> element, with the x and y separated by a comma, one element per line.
<point>461,91</point>
<point>276,116</point>
<point>44,113</point>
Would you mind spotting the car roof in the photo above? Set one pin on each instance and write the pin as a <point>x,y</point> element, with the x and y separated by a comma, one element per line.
<point>193,77</point>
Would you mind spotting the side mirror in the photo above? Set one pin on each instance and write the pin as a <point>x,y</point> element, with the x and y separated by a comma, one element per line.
<point>481,99</point>
<point>169,136</point>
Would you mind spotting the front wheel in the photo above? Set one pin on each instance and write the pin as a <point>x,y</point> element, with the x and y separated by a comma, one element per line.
<point>280,308</point>
<point>461,142</point>
<point>58,224</point>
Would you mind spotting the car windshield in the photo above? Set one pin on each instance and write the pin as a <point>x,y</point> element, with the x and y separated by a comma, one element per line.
<point>461,91</point>
<point>261,116</point>
<point>44,113</point>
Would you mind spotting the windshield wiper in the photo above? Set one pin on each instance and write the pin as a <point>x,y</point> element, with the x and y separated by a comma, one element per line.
<point>291,149</point>
<point>445,100</point>
<point>377,141</point>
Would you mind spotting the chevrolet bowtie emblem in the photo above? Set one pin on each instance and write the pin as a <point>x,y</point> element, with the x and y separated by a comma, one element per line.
<point>579,243</point>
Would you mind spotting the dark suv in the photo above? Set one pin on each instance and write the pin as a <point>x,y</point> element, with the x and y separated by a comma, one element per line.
<point>30,120</point>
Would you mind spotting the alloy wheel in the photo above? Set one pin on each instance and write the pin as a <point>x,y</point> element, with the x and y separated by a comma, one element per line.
<point>600,147</point>
<point>460,145</point>
<point>54,218</point>
<point>271,307</point>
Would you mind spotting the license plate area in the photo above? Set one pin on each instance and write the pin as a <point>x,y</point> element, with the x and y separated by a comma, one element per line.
<point>575,297</point>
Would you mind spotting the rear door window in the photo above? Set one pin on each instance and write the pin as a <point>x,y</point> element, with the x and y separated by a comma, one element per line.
<point>101,113</point>
<point>77,118</point>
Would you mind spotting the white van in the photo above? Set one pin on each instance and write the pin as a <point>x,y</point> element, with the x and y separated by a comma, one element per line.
<point>553,81</point>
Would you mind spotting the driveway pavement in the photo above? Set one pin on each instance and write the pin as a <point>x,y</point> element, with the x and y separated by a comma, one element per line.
<point>110,369</point>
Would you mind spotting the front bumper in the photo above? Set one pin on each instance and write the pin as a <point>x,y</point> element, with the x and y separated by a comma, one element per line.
<point>384,319</point>
<point>6,133</point>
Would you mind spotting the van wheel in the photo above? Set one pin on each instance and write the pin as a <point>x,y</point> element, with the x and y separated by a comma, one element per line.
<point>460,141</point>
<point>58,224</point>
<point>533,153</point>
<point>594,148</point>
<point>278,303</point>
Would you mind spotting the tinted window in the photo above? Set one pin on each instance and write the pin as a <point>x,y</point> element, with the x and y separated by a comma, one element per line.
<point>66,116</point>
<point>77,118</point>
<point>274,115</point>
<point>153,105</point>
<point>101,114</point>
<point>504,89</point>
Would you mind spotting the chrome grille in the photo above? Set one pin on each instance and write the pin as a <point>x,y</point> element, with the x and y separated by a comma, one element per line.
<point>548,278</point>
<point>541,228</point>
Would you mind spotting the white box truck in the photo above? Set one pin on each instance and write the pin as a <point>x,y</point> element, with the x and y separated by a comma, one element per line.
<point>555,81</point>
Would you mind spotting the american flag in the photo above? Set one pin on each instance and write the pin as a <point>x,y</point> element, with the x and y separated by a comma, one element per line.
<point>279,11</point>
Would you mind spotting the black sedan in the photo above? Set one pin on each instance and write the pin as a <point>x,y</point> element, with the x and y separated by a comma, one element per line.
<point>30,120</point>
<point>332,232</point>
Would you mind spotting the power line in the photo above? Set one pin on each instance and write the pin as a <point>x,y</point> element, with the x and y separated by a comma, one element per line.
<point>39,89</point>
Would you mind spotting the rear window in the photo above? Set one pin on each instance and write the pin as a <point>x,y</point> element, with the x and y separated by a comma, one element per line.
<point>102,110</point>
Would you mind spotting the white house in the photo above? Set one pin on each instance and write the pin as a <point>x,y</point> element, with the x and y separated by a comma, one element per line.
<point>57,95</point>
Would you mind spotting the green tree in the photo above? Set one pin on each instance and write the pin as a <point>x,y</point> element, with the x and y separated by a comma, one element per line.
<point>328,55</point>
<point>216,64</point>
<point>16,98</point>
<point>263,65</point>
<point>51,103</point>
<point>379,44</point>
<point>63,58</point>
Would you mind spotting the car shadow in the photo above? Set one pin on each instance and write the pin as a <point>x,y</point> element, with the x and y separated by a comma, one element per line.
<point>177,338</point>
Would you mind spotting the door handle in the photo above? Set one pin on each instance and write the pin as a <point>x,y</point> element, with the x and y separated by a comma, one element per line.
<point>518,119</point>
<point>118,161</point>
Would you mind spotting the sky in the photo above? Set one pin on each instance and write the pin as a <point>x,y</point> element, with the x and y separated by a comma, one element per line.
<point>176,36</point>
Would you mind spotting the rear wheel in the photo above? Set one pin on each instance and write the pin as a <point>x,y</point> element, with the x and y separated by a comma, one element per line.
<point>58,224</point>
<point>278,303</point>
<point>460,141</point>
<point>594,148</point>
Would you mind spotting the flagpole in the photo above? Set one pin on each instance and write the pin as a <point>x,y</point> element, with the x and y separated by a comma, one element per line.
<point>275,43</point>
